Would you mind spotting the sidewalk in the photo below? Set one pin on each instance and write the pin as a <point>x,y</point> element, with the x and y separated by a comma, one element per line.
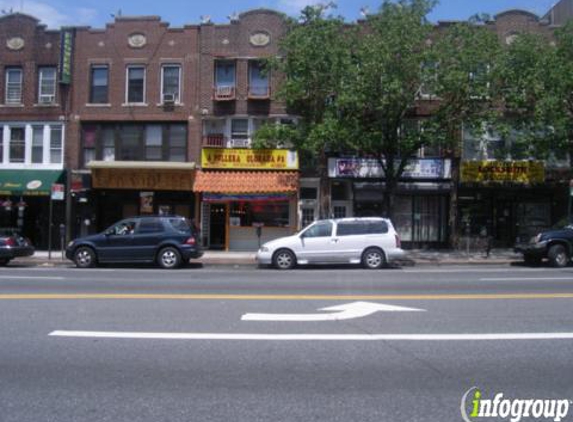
<point>414,257</point>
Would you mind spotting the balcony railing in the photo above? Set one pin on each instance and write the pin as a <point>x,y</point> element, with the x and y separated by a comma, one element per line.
<point>224,93</point>
<point>214,141</point>
<point>260,92</point>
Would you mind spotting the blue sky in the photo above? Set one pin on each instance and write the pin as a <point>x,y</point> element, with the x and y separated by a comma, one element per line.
<point>96,13</point>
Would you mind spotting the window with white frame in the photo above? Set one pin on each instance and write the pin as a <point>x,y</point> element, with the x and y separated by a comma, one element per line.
<point>47,85</point>
<point>258,79</point>
<point>240,133</point>
<point>153,141</point>
<point>135,85</point>
<point>225,74</point>
<point>17,144</point>
<point>37,144</point>
<point>56,144</point>
<point>13,86</point>
<point>170,83</point>
<point>99,84</point>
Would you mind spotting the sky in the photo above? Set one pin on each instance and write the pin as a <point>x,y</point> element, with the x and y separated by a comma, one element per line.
<point>96,13</point>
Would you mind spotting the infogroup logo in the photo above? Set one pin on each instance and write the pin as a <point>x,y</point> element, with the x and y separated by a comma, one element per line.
<point>513,410</point>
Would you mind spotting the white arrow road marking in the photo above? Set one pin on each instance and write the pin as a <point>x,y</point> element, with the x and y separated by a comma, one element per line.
<point>348,311</point>
<point>315,337</point>
<point>26,277</point>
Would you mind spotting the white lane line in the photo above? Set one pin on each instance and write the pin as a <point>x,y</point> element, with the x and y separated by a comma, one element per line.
<point>13,277</point>
<point>526,278</point>
<point>314,337</point>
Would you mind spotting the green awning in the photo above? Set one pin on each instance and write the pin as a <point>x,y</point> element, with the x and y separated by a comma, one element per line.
<point>29,182</point>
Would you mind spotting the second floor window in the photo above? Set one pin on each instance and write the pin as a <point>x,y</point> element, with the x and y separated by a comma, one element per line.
<point>170,83</point>
<point>258,80</point>
<point>136,85</point>
<point>99,85</point>
<point>47,85</point>
<point>37,144</point>
<point>56,144</point>
<point>17,145</point>
<point>13,86</point>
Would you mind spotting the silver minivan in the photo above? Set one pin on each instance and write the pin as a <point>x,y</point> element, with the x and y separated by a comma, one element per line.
<point>371,241</point>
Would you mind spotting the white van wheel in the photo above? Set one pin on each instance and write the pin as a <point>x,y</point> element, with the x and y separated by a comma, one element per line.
<point>373,259</point>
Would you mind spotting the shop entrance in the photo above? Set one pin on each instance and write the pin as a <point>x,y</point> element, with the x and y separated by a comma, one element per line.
<point>218,226</point>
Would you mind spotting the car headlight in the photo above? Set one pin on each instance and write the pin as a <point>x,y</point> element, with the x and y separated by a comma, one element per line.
<point>538,238</point>
<point>71,244</point>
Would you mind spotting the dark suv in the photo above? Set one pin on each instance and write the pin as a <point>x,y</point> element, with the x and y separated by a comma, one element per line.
<point>555,245</point>
<point>168,241</point>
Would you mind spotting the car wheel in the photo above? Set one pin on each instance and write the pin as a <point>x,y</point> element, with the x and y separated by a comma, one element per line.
<point>169,258</point>
<point>4,262</point>
<point>373,259</point>
<point>558,256</point>
<point>85,257</point>
<point>284,260</point>
<point>534,261</point>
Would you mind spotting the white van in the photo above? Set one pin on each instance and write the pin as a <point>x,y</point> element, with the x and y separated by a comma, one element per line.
<point>373,242</point>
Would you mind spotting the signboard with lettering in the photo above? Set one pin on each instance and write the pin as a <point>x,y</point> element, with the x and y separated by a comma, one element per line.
<point>58,192</point>
<point>66,52</point>
<point>503,171</point>
<point>153,180</point>
<point>370,168</point>
<point>267,159</point>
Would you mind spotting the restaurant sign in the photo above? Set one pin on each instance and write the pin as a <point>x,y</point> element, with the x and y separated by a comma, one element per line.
<point>267,159</point>
<point>151,179</point>
<point>503,171</point>
<point>370,168</point>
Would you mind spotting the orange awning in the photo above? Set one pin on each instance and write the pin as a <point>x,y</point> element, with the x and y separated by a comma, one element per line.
<point>246,181</point>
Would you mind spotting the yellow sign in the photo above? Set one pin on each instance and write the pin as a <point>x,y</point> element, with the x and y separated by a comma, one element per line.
<point>268,159</point>
<point>503,171</point>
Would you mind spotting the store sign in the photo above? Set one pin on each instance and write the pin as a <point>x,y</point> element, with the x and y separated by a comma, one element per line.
<point>58,192</point>
<point>153,180</point>
<point>267,159</point>
<point>66,51</point>
<point>370,168</point>
<point>503,171</point>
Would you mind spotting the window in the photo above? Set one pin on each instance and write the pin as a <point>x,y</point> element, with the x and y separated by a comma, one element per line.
<point>270,214</point>
<point>130,146</point>
<point>177,143</point>
<point>37,144</point>
<point>339,211</point>
<point>17,145</point>
<point>308,193</point>
<point>359,228</point>
<point>170,83</point>
<point>153,141</point>
<point>240,133</point>
<point>479,79</point>
<point>429,80</point>
<point>322,229</point>
<point>89,135</point>
<point>47,85</point>
<point>108,140</point>
<point>13,86</point>
<point>307,216</point>
<point>99,85</point>
<point>225,74</point>
<point>56,144</point>
<point>150,225</point>
<point>258,80</point>
<point>135,85</point>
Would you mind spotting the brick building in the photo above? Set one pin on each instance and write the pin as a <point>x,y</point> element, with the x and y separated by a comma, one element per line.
<point>33,105</point>
<point>242,189</point>
<point>133,128</point>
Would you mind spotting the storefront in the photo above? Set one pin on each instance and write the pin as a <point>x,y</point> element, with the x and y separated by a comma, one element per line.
<point>421,201</point>
<point>505,200</point>
<point>25,204</point>
<point>248,197</point>
<point>122,189</point>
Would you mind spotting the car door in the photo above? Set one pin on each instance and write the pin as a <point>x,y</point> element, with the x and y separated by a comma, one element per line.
<point>147,236</point>
<point>115,243</point>
<point>316,243</point>
<point>349,241</point>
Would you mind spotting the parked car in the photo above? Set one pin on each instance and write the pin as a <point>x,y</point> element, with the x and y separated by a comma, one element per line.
<point>372,242</point>
<point>13,245</point>
<point>168,241</point>
<point>554,245</point>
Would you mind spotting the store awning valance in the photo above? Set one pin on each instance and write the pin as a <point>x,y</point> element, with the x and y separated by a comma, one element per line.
<point>246,182</point>
<point>29,182</point>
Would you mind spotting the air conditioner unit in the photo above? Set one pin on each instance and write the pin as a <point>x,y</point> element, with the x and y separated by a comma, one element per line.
<point>169,99</point>
<point>240,143</point>
<point>47,99</point>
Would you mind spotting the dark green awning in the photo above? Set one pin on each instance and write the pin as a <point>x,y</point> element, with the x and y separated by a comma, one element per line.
<point>29,182</point>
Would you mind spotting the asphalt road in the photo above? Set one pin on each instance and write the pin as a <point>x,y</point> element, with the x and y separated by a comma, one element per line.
<point>143,344</point>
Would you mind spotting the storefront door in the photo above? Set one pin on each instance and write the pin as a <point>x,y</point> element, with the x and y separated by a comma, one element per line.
<point>218,226</point>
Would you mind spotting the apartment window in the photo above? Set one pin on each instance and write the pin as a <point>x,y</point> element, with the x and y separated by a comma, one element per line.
<point>13,86</point>
<point>56,144</point>
<point>177,143</point>
<point>47,85</point>
<point>429,79</point>
<point>480,83</point>
<point>240,133</point>
<point>258,80</point>
<point>225,74</point>
<point>108,141</point>
<point>37,144</point>
<point>89,135</point>
<point>130,149</point>
<point>136,85</point>
<point>170,86</point>
<point>153,141</point>
<point>99,85</point>
<point>17,145</point>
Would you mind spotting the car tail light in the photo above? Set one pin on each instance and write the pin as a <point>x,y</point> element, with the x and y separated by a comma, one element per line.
<point>190,241</point>
<point>398,241</point>
<point>10,241</point>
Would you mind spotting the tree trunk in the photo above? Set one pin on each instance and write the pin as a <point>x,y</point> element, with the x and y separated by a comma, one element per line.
<point>389,197</point>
